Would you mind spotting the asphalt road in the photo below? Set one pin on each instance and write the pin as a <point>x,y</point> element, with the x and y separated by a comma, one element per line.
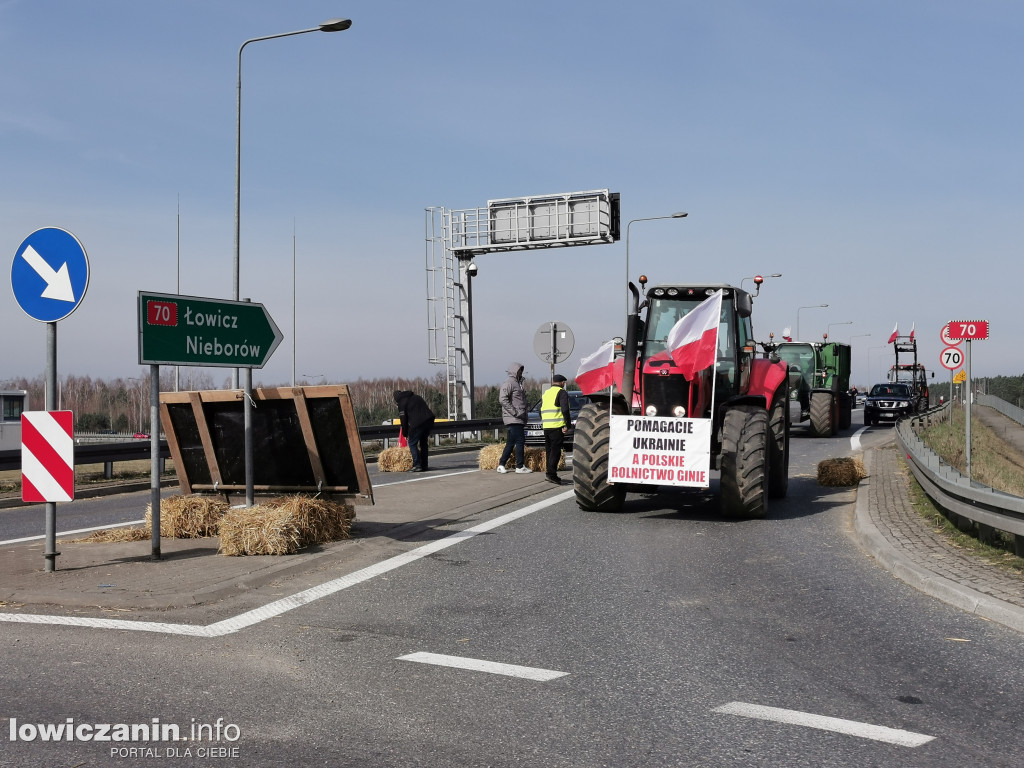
<point>647,638</point>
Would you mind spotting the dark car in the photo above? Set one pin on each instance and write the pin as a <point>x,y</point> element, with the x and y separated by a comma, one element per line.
<point>889,402</point>
<point>535,430</point>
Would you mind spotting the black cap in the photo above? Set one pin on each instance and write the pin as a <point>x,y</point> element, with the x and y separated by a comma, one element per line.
<point>557,379</point>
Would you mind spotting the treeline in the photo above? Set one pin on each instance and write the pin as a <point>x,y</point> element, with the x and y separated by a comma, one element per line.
<point>1008,388</point>
<point>122,404</point>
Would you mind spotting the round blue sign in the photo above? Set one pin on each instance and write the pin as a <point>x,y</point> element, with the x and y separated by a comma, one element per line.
<point>50,274</point>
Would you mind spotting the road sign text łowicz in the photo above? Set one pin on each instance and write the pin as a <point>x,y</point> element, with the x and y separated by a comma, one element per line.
<point>188,330</point>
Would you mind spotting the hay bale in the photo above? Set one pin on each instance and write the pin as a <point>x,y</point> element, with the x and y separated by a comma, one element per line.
<point>488,458</point>
<point>841,473</point>
<point>534,458</point>
<point>188,517</point>
<point>394,460</point>
<point>283,526</point>
<point>115,535</point>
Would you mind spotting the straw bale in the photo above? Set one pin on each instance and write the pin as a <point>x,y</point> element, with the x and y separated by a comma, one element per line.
<point>284,525</point>
<point>841,473</point>
<point>534,458</point>
<point>188,517</point>
<point>115,535</point>
<point>394,459</point>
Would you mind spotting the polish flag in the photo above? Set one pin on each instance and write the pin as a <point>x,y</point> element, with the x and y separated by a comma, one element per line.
<point>895,333</point>
<point>597,371</point>
<point>787,334</point>
<point>912,331</point>
<point>693,341</point>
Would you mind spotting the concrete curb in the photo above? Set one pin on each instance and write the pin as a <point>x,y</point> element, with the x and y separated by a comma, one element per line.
<point>905,569</point>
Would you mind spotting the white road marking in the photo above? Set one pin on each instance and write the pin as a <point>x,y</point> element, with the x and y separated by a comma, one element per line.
<point>279,607</point>
<point>75,532</point>
<point>855,439</point>
<point>849,727</point>
<point>479,665</point>
<point>430,476</point>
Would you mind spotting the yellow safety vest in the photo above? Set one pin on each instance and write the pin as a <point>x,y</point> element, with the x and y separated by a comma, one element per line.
<point>550,414</point>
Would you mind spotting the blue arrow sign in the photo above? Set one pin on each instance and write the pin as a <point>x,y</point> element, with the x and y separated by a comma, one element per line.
<point>50,274</point>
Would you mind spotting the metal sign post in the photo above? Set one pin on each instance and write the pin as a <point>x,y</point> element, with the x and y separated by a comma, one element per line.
<point>50,276</point>
<point>967,330</point>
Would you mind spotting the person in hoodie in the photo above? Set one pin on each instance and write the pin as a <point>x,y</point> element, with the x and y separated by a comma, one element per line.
<point>514,412</point>
<point>417,420</point>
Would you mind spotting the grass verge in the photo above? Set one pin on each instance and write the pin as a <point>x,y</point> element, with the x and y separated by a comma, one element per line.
<point>991,458</point>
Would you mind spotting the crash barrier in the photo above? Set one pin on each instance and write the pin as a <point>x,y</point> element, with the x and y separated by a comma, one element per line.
<point>1008,410</point>
<point>964,502</point>
<point>137,450</point>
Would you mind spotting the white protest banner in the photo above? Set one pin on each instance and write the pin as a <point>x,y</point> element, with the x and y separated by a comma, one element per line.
<point>652,450</point>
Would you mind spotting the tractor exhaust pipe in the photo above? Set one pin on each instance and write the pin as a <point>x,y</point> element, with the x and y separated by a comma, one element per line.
<point>629,347</point>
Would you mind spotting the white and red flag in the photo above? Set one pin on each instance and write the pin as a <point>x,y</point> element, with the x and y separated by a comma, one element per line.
<point>597,371</point>
<point>693,341</point>
<point>912,331</point>
<point>895,333</point>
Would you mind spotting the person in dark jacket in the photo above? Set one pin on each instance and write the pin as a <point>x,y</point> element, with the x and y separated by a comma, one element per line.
<point>417,420</point>
<point>512,398</point>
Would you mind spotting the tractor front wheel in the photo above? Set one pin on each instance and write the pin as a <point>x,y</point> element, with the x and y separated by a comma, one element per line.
<point>778,446</point>
<point>745,462</point>
<point>590,462</point>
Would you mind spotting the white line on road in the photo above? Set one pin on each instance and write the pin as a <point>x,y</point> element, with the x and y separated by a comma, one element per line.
<point>849,727</point>
<point>278,607</point>
<point>431,476</point>
<point>855,439</point>
<point>479,665</point>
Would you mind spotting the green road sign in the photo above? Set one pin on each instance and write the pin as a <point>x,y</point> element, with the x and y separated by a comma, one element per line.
<point>188,330</point>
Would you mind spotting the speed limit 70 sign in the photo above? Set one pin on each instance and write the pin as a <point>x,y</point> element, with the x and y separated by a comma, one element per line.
<point>951,358</point>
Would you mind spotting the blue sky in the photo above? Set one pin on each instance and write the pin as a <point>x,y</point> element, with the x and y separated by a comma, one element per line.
<point>869,151</point>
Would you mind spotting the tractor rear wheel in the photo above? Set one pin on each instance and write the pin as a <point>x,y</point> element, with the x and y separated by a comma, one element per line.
<point>778,445</point>
<point>745,462</point>
<point>822,412</point>
<point>590,462</point>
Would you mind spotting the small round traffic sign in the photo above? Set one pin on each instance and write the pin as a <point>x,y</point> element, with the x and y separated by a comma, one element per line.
<point>50,274</point>
<point>947,340</point>
<point>951,358</point>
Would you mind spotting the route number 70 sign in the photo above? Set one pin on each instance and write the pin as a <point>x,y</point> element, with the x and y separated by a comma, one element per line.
<point>968,329</point>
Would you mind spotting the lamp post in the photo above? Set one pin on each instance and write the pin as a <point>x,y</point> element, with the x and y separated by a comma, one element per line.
<point>677,215</point>
<point>829,326</point>
<point>812,306</point>
<point>331,25</point>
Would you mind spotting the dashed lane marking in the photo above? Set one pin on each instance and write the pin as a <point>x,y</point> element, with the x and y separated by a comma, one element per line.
<point>480,665</point>
<point>821,722</point>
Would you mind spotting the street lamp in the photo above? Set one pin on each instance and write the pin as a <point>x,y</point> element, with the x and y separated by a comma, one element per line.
<point>677,215</point>
<point>829,326</point>
<point>331,25</point>
<point>812,306</point>
<point>758,279</point>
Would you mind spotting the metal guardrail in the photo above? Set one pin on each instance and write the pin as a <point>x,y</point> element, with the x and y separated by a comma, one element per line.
<point>1008,410</point>
<point>958,496</point>
<point>136,450</point>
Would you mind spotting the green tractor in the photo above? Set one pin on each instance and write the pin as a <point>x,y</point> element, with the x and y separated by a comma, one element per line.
<point>819,377</point>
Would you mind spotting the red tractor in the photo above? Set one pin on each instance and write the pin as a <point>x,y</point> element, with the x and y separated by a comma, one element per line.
<point>742,400</point>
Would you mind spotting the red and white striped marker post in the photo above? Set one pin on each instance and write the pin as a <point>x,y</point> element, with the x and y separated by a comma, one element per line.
<point>48,467</point>
<point>47,456</point>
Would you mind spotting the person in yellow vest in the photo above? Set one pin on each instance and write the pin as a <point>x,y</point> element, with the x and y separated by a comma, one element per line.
<point>554,417</point>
